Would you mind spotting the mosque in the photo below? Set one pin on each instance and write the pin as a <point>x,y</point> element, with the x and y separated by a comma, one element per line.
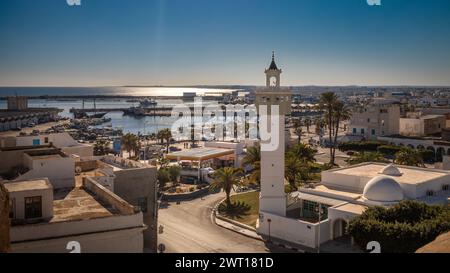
<point>320,214</point>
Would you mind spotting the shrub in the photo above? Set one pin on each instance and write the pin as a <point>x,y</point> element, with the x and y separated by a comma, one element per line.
<point>427,155</point>
<point>389,150</point>
<point>191,189</point>
<point>360,146</point>
<point>402,228</point>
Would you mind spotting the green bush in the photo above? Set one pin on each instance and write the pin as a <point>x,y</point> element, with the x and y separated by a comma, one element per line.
<point>360,146</point>
<point>403,228</point>
<point>427,155</point>
<point>389,150</point>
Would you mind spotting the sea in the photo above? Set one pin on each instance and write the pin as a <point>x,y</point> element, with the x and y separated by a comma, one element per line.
<point>135,125</point>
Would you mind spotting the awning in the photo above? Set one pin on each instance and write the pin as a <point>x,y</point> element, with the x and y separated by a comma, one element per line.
<point>200,154</point>
<point>317,199</point>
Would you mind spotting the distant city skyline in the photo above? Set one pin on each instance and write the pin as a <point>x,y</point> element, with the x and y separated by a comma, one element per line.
<point>222,42</point>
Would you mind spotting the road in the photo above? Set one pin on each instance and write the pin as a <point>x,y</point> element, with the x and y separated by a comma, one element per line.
<point>188,228</point>
<point>28,130</point>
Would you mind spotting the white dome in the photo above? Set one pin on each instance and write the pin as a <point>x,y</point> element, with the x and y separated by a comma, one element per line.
<point>391,170</point>
<point>383,189</point>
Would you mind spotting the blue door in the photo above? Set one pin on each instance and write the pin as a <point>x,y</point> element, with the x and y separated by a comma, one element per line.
<point>36,142</point>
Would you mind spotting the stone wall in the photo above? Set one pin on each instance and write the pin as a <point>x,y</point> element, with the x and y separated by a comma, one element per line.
<point>4,220</point>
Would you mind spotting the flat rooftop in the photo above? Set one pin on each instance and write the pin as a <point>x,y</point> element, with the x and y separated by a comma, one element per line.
<point>197,154</point>
<point>77,204</point>
<point>352,208</point>
<point>411,175</point>
<point>31,185</point>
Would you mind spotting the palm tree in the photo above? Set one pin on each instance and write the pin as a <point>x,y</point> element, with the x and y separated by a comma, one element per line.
<point>291,169</point>
<point>4,220</point>
<point>166,135</point>
<point>226,179</point>
<point>409,157</point>
<point>327,102</point>
<point>101,147</point>
<point>341,113</point>
<point>126,143</point>
<point>298,129</point>
<point>253,158</point>
<point>303,152</point>
<point>308,123</point>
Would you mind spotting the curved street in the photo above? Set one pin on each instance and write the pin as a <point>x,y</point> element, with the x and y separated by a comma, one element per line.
<point>189,228</point>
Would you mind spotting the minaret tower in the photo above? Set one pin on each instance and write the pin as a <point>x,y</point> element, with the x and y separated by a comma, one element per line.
<point>273,196</point>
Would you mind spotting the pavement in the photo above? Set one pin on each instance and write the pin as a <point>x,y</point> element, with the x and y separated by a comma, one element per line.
<point>190,228</point>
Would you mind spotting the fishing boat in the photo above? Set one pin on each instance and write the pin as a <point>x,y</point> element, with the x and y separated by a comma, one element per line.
<point>148,102</point>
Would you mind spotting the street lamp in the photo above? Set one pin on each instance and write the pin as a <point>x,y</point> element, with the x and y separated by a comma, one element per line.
<point>270,239</point>
<point>319,210</point>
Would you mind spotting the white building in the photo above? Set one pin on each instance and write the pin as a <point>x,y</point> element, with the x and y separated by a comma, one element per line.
<point>95,219</point>
<point>273,197</point>
<point>418,126</point>
<point>381,117</point>
<point>61,141</point>
<point>345,193</point>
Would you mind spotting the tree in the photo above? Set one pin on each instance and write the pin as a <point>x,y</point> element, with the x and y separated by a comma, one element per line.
<point>226,179</point>
<point>341,113</point>
<point>166,135</point>
<point>298,130</point>
<point>308,123</point>
<point>362,157</point>
<point>130,142</point>
<point>292,168</point>
<point>327,102</point>
<point>335,112</point>
<point>174,173</point>
<point>4,220</point>
<point>101,147</point>
<point>402,228</point>
<point>298,164</point>
<point>163,177</point>
<point>253,158</point>
<point>409,157</point>
<point>303,152</point>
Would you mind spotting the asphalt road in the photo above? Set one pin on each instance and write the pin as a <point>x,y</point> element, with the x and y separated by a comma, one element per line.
<point>188,228</point>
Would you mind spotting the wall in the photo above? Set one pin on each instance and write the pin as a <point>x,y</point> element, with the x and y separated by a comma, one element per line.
<point>107,196</point>
<point>294,231</point>
<point>120,241</point>
<point>19,202</point>
<point>30,232</point>
<point>10,159</point>
<point>132,184</point>
<point>434,125</point>
<point>411,127</point>
<point>59,170</point>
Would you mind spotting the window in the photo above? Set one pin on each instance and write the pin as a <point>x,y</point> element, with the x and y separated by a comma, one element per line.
<point>373,132</point>
<point>12,208</point>
<point>354,130</point>
<point>363,131</point>
<point>33,207</point>
<point>142,203</point>
<point>46,140</point>
<point>368,120</point>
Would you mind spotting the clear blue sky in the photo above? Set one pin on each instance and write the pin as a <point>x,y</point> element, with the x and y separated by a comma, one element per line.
<point>191,42</point>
